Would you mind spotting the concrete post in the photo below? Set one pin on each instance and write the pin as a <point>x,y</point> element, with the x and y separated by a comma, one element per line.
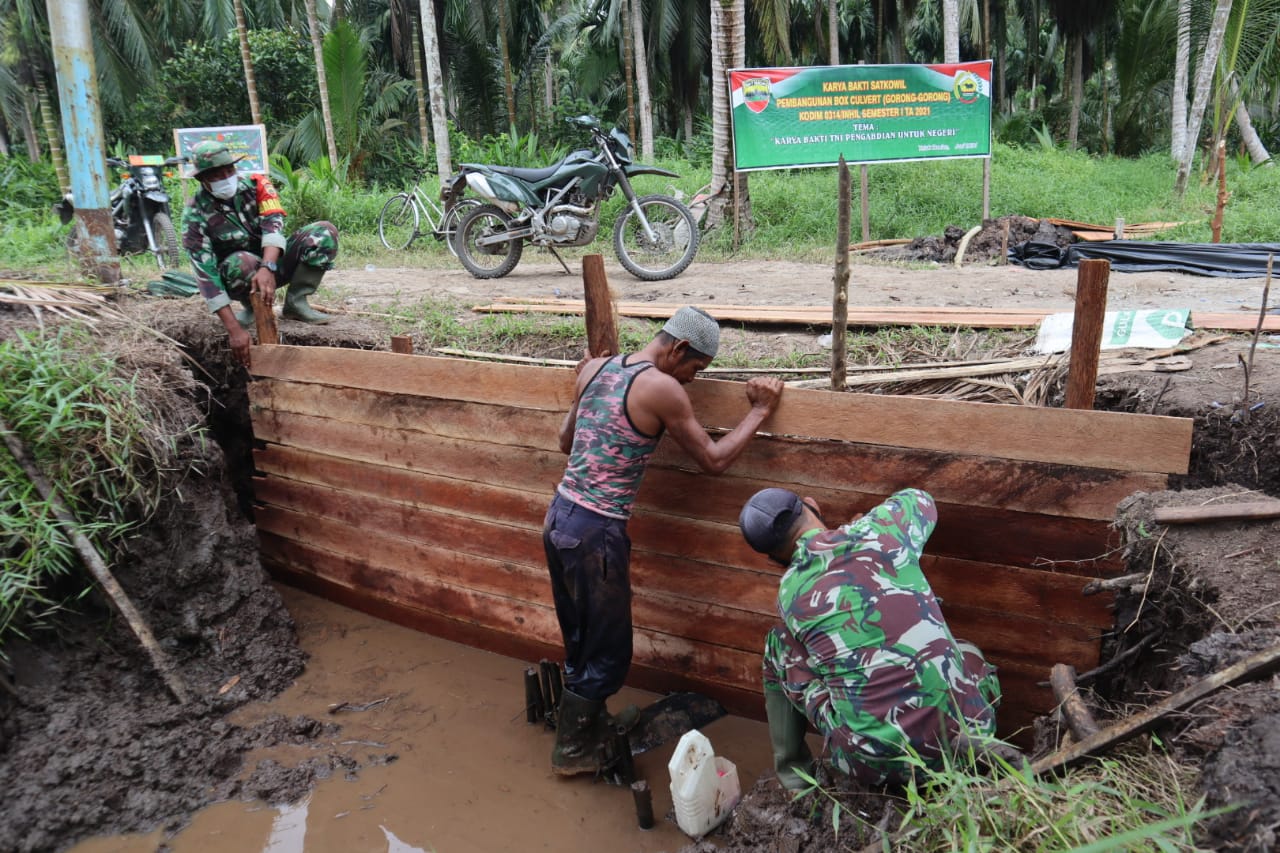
<point>82,134</point>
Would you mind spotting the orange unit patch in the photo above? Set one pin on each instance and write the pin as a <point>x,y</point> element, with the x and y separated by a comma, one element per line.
<point>268,198</point>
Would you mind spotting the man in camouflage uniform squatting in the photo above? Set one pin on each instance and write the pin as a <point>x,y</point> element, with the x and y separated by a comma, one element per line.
<point>863,652</point>
<point>234,232</point>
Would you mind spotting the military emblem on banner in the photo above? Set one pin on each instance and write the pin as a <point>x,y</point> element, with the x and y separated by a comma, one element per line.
<point>966,88</point>
<point>756,93</point>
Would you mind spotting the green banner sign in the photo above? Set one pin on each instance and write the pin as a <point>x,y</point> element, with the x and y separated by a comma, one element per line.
<point>248,141</point>
<point>784,117</point>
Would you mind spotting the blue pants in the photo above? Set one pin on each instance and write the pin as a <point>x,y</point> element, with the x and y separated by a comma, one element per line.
<point>589,558</point>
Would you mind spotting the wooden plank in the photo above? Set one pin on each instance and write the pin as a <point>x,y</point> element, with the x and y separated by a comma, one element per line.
<point>880,315</point>
<point>875,470</point>
<point>1217,512</point>
<point>708,562</point>
<point>497,560</point>
<point>721,664</point>
<point>1091,439</point>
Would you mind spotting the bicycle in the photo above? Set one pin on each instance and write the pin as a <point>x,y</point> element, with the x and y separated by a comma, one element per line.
<point>401,217</point>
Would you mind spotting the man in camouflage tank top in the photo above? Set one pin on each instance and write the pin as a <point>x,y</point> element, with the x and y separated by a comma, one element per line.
<point>863,652</point>
<point>623,406</point>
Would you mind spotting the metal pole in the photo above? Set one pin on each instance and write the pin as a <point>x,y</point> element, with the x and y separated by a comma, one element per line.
<point>644,803</point>
<point>82,132</point>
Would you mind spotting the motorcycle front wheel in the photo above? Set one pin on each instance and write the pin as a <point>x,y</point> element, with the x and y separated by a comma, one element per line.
<point>670,249</point>
<point>166,241</point>
<point>489,261</point>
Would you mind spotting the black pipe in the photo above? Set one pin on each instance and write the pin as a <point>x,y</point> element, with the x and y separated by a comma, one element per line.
<point>624,765</point>
<point>644,803</point>
<point>534,708</point>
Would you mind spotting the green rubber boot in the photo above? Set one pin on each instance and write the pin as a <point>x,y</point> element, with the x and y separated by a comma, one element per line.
<point>787,726</point>
<point>578,732</point>
<point>306,280</point>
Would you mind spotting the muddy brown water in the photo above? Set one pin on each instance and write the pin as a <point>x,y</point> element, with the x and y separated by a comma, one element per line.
<point>469,773</point>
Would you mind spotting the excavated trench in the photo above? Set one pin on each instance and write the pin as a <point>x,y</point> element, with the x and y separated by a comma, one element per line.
<point>93,746</point>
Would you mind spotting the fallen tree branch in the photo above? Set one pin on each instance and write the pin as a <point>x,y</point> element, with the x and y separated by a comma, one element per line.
<point>1193,514</point>
<point>1071,703</point>
<point>97,567</point>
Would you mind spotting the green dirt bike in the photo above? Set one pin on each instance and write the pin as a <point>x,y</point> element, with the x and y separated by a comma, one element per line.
<point>655,236</point>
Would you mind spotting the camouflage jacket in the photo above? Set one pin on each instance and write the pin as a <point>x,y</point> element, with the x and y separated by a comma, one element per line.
<point>213,229</point>
<point>858,601</point>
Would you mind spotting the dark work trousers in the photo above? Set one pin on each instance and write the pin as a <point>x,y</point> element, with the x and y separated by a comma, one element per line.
<point>589,557</point>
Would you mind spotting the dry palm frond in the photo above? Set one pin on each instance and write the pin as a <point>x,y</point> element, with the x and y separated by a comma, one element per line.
<point>85,303</point>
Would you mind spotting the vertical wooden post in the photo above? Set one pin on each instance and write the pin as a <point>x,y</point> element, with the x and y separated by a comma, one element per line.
<point>986,188</point>
<point>602,328</point>
<point>1216,225</point>
<point>402,344</point>
<point>866,208</point>
<point>840,301</point>
<point>265,319</point>
<point>1004,244</point>
<point>1086,332</point>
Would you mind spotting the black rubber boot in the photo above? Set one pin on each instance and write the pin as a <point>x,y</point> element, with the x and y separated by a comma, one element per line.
<point>579,727</point>
<point>787,726</point>
<point>306,280</point>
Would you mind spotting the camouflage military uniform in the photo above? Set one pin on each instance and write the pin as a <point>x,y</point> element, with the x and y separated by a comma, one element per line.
<point>864,651</point>
<point>225,241</point>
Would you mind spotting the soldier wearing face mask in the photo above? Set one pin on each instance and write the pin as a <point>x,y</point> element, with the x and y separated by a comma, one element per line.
<point>234,231</point>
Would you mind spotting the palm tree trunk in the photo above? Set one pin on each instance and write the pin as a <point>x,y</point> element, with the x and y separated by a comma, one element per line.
<point>45,105</point>
<point>628,66</point>
<point>642,81</point>
<point>508,86</point>
<point>1179,121</point>
<point>1077,88</point>
<point>833,33</point>
<point>728,50</point>
<point>549,83</point>
<point>250,82</point>
<point>435,88</point>
<point>950,31</point>
<point>317,46</point>
<point>1258,153</point>
<point>4,136</point>
<point>424,128</point>
<point>29,135</point>
<point>1204,83</point>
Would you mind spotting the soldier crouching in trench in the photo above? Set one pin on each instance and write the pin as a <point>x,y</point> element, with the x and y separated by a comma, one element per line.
<point>863,651</point>
<point>234,233</point>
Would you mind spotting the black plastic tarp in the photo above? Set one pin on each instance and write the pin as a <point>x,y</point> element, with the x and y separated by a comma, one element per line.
<point>1228,260</point>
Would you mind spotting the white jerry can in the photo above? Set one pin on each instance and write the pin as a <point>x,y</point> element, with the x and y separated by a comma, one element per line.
<point>704,787</point>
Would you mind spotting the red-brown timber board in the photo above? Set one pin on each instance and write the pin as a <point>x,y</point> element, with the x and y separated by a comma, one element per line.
<point>966,531</point>
<point>1069,437</point>
<point>678,563</point>
<point>877,315</point>
<point>510,622</point>
<point>506,561</point>
<point>876,471</point>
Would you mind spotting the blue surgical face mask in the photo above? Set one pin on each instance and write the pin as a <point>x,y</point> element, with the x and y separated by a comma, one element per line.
<point>225,188</point>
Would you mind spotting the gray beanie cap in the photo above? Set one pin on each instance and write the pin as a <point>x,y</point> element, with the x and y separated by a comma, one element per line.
<point>697,327</point>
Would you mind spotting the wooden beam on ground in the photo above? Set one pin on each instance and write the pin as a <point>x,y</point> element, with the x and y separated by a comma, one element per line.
<point>880,315</point>
<point>1086,332</point>
<point>1217,512</point>
<point>602,328</point>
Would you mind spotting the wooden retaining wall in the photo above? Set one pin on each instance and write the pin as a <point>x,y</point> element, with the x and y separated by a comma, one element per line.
<point>414,488</point>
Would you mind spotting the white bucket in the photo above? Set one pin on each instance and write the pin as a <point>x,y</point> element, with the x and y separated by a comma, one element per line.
<point>704,788</point>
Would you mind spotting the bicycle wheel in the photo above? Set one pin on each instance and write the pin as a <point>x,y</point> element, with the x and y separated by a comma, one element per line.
<point>398,221</point>
<point>449,226</point>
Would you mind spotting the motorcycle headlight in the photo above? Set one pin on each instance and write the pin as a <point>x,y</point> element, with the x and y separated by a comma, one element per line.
<point>150,180</point>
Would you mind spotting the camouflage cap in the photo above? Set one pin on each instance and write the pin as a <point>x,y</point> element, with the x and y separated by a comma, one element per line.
<point>211,154</point>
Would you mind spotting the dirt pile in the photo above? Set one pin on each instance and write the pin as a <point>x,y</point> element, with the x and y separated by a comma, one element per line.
<point>90,740</point>
<point>994,237</point>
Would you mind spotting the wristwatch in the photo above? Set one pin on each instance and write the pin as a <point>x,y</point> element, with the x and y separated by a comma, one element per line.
<point>271,265</point>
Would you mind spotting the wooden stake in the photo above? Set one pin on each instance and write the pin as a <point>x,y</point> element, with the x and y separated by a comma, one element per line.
<point>866,208</point>
<point>602,328</point>
<point>1220,512</point>
<point>402,344</point>
<point>1223,195</point>
<point>840,301</point>
<point>1070,704</point>
<point>96,567</point>
<point>1086,332</point>
<point>1004,244</point>
<point>265,319</point>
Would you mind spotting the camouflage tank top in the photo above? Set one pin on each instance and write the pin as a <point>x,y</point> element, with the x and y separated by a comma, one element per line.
<point>609,453</point>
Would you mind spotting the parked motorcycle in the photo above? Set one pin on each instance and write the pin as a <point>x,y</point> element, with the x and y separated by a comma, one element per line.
<point>139,209</point>
<point>655,236</point>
